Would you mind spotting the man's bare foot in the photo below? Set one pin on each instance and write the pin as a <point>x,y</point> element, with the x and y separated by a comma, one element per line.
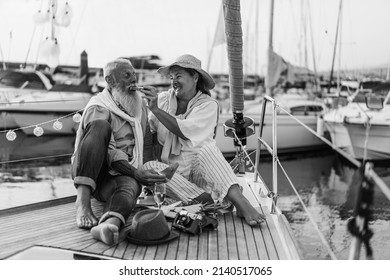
<point>85,218</point>
<point>106,232</point>
<point>244,208</point>
<point>84,215</point>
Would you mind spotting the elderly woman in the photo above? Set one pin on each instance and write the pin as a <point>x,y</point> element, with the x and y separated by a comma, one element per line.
<point>185,119</point>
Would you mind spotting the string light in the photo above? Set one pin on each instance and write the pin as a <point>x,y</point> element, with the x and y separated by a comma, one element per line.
<point>11,135</point>
<point>77,118</point>
<point>57,125</point>
<point>38,130</point>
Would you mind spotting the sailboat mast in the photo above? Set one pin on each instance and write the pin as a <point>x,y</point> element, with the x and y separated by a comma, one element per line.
<point>312,47</point>
<point>234,44</point>
<point>256,45</point>
<point>270,46</point>
<point>335,45</point>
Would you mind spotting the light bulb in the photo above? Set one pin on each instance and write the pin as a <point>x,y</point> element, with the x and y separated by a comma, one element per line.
<point>11,135</point>
<point>77,118</point>
<point>57,125</point>
<point>38,131</point>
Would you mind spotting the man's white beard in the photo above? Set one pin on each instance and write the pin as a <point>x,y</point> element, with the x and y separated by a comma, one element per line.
<point>131,102</point>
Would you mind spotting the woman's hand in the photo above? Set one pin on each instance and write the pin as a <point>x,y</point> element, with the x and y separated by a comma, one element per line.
<point>151,96</point>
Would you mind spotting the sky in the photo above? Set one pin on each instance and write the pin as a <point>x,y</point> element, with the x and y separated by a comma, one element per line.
<point>107,29</point>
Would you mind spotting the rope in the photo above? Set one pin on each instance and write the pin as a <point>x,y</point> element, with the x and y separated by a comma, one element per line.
<point>74,36</point>
<point>326,141</point>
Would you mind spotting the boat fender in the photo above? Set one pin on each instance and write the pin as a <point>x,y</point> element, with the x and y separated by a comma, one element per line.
<point>320,125</point>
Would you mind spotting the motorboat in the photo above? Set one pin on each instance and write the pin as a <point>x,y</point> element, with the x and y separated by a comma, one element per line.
<point>53,111</point>
<point>16,83</point>
<point>369,130</point>
<point>334,118</point>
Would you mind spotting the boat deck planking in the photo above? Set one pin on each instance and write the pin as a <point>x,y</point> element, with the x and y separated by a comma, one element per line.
<point>52,224</point>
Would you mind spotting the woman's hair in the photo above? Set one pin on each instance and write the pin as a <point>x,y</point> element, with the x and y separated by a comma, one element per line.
<point>200,86</point>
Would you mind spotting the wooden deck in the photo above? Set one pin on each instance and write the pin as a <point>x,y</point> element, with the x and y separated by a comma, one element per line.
<point>52,224</point>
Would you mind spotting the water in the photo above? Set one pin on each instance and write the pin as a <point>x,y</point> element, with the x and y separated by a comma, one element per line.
<point>323,180</point>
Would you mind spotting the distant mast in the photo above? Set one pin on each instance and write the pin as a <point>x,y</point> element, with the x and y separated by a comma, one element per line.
<point>270,49</point>
<point>335,45</point>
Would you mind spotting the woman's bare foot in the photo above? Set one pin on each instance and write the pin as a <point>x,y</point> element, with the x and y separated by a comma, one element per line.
<point>244,208</point>
<point>84,216</point>
<point>106,232</point>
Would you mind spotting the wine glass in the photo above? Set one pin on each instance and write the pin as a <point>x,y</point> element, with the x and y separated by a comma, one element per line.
<point>216,194</point>
<point>160,190</point>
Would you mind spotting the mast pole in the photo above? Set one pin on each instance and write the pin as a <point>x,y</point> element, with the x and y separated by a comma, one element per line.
<point>335,45</point>
<point>270,46</point>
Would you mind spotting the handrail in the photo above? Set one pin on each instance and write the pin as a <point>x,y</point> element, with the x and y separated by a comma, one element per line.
<point>272,150</point>
<point>275,162</point>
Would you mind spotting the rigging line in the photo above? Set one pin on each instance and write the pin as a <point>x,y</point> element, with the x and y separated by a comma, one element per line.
<point>29,45</point>
<point>330,252</point>
<point>38,124</point>
<point>36,158</point>
<point>3,59</point>
<point>77,30</point>
<point>326,141</point>
<point>243,148</point>
<point>39,47</point>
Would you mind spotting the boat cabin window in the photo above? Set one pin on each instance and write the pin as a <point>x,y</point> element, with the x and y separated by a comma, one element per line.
<point>360,97</point>
<point>305,109</point>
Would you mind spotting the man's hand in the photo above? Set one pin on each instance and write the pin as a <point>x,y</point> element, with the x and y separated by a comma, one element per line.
<point>149,177</point>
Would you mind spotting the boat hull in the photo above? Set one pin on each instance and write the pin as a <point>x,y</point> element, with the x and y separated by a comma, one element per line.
<point>378,144</point>
<point>339,136</point>
<point>44,109</point>
<point>7,121</point>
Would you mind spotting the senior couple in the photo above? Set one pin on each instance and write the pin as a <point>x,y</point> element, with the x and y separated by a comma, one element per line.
<point>114,152</point>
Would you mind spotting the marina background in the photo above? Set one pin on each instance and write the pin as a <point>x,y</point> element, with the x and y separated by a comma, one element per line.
<point>168,28</point>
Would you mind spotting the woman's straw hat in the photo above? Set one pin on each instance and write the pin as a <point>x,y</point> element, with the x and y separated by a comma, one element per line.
<point>190,61</point>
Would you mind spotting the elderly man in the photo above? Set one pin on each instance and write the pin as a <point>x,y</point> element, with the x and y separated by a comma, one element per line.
<point>111,142</point>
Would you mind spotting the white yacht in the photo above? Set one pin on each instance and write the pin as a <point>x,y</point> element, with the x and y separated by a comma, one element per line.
<point>369,130</point>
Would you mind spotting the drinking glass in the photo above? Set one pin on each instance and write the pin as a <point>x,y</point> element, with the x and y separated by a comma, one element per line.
<point>160,190</point>
<point>216,195</point>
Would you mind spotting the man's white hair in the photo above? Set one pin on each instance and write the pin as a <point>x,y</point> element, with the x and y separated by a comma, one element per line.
<point>112,65</point>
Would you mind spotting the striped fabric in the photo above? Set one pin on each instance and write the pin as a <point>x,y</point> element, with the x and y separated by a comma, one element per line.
<point>208,168</point>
